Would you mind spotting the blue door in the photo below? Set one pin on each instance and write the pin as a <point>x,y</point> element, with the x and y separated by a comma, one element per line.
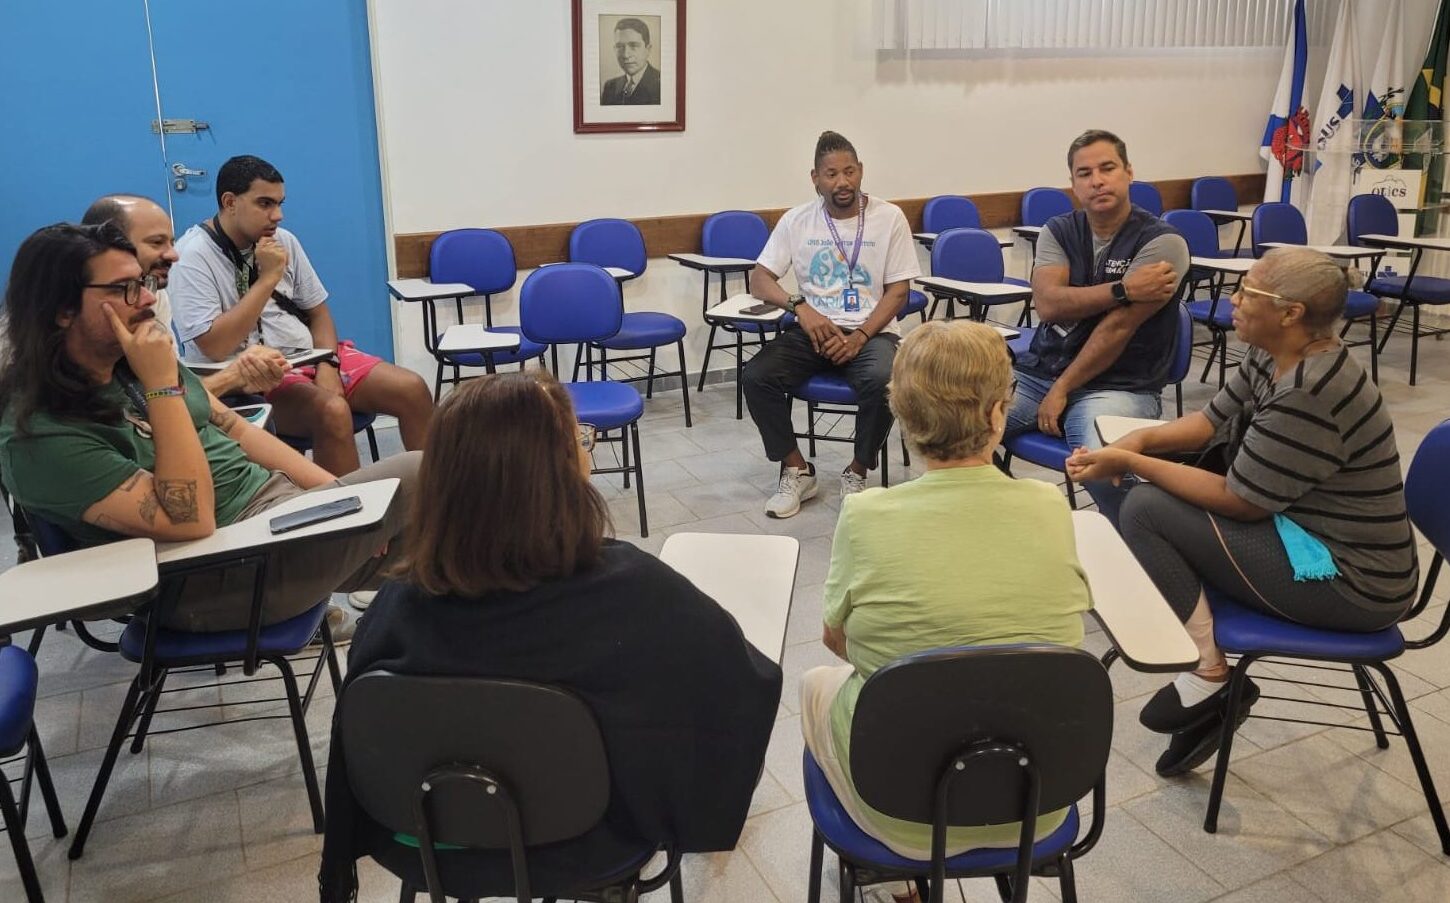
<point>289,82</point>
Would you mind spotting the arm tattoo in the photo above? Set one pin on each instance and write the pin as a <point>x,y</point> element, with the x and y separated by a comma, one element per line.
<point>149,504</point>
<point>224,420</point>
<point>178,500</point>
<point>132,480</point>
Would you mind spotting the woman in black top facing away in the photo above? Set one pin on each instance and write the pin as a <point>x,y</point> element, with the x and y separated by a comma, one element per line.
<point>511,575</point>
<point>1307,524</point>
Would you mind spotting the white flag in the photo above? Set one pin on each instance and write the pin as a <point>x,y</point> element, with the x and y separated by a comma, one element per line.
<point>1287,132</point>
<point>1332,170</point>
<point>1384,100</point>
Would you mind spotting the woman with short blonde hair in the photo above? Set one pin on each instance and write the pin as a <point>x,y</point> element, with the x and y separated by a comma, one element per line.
<point>962,555</point>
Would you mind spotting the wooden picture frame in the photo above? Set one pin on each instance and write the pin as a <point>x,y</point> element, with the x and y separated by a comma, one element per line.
<point>629,65</point>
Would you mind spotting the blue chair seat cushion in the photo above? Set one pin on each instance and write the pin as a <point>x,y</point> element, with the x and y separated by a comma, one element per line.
<point>1360,304</point>
<point>1039,448</point>
<point>283,638</point>
<point>526,351</point>
<point>645,329</point>
<point>1427,289</point>
<point>846,837</point>
<point>1222,316</point>
<point>915,302</point>
<point>1019,345</point>
<point>826,388</point>
<point>361,420</point>
<point>1241,629</point>
<point>18,679</point>
<point>607,405</point>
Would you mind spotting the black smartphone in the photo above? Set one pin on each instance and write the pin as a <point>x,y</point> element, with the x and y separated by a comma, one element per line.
<point>756,310</point>
<point>285,523</point>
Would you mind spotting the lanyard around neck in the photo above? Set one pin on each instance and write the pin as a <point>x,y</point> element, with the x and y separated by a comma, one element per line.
<point>855,245</point>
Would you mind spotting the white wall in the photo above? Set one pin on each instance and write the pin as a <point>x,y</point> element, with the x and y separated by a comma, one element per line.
<point>476,109</point>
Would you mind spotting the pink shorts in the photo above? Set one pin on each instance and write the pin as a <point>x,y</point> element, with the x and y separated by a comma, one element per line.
<point>353,366</point>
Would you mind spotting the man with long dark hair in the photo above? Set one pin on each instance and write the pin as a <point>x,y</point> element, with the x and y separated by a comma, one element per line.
<point>104,435</point>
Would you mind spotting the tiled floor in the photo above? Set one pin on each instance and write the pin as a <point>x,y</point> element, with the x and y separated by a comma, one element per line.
<point>1309,815</point>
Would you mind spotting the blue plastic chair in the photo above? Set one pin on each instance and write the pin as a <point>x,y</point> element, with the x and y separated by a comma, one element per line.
<point>1147,196</point>
<point>1037,742</point>
<point>1052,452</point>
<point>484,260</point>
<point>969,255</point>
<point>1217,193</point>
<point>1282,222</point>
<point>733,233</point>
<point>618,243</point>
<point>1253,635</point>
<point>1372,214</point>
<point>950,211</point>
<point>829,394</point>
<point>580,303</point>
<point>1212,309</point>
<point>18,681</point>
<point>1041,204</point>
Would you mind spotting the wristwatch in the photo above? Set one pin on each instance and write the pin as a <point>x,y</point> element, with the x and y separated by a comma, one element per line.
<point>794,301</point>
<point>1120,294</point>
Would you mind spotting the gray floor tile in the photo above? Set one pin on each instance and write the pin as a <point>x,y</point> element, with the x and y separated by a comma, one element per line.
<point>1382,866</point>
<point>128,791</point>
<point>276,821</point>
<point>778,844</point>
<point>1131,863</point>
<point>783,756</point>
<point>52,867</point>
<point>1278,889</point>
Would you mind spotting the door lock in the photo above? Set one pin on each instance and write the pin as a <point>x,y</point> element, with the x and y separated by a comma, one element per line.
<point>181,172</point>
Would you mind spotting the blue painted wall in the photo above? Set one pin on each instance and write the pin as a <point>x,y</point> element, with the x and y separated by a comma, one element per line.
<point>290,82</point>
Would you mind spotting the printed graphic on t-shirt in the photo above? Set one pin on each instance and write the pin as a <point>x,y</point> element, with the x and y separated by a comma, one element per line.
<point>828,277</point>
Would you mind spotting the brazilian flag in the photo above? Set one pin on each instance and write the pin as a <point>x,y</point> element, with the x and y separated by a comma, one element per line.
<point>1427,103</point>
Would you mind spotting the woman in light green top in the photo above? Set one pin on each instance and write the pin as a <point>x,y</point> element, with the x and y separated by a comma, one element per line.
<point>962,555</point>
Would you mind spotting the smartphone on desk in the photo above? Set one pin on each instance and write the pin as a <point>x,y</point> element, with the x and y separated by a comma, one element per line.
<point>286,523</point>
<point>758,310</point>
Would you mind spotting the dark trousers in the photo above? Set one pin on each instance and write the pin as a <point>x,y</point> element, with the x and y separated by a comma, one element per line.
<point>783,364</point>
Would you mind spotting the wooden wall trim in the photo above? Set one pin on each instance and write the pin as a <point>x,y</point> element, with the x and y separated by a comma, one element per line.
<point>664,235</point>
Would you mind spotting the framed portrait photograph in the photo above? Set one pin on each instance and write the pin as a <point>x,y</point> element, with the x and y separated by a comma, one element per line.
<point>629,65</point>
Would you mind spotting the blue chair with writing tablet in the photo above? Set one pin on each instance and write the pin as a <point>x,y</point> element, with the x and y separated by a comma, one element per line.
<point>1218,193</point>
<point>1207,296</point>
<point>484,260</point>
<point>740,234</point>
<point>1041,204</point>
<point>618,244</point>
<point>1253,636</point>
<point>1147,196</point>
<point>579,303</point>
<point>969,255</point>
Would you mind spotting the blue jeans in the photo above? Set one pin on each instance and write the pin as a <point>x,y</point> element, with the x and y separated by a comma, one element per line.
<point>1083,407</point>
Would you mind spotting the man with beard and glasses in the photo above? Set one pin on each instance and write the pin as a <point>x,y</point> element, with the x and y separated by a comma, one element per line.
<point>258,369</point>
<point>105,435</point>
<point>853,260</point>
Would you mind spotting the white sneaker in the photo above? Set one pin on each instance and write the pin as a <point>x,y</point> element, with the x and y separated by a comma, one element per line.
<point>852,482</point>
<point>362,598</point>
<point>338,624</point>
<point>796,485</point>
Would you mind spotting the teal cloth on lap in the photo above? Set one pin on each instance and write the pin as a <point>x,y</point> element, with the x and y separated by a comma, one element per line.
<point>1308,556</point>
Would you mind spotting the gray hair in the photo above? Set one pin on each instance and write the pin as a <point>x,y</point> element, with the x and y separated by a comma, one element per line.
<point>1309,277</point>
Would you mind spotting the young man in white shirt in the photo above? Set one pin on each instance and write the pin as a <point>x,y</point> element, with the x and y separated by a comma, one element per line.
<point>853,260</point>
<point>243,280</point>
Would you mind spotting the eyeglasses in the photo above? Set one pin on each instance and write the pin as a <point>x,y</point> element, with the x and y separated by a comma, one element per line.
<point>129,289</point>
<point>586,433</point>
<point>1258,291</point>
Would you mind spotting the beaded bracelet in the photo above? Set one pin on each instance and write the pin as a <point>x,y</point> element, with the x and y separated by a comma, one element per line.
<point>167,392</point>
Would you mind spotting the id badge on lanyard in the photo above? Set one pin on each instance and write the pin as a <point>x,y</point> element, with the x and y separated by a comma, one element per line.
<point>851,296</point>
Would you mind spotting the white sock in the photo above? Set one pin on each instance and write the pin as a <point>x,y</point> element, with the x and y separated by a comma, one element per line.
<point>1193,689</point>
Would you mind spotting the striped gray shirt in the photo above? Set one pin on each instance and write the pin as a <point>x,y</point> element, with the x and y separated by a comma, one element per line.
<point>1318,446</point>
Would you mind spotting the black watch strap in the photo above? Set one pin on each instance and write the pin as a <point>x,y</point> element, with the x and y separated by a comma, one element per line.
<point>1120,294</point>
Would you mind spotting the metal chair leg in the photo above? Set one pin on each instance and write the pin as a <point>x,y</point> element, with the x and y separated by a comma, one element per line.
<point>847,882</point>
<point>624,454</point>
<point>304,748</point>
<point>153,696</point>
<point>108,763</point>
<point>639,478</point>
<point>47,787</point>
<point>1414,342</point>
<point>1417,755</point>
<point>407,894</point>
<point>1371,707</point>
<point>813,887</point>
<point>1066,880</point>
<point>649,380</point>
<point>373,444</point>
<point>16,829</point>
<point>1374,353</point>
<point>709,347</point>
<point>684,382</point>
<point>1238,679</point>
<point>677,887</point>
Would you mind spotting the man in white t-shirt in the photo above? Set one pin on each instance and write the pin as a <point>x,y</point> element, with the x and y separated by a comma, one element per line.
<point>257,369</point>
<point>243,280</point>
<point>853,259</point>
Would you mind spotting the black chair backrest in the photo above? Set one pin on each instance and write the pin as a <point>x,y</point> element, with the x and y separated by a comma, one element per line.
<point>919,711</point>
<point>542,742</point>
